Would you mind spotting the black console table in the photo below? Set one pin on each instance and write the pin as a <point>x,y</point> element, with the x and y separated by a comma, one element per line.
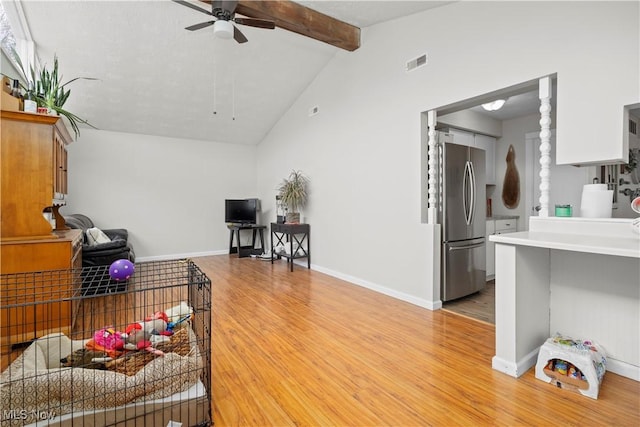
<point>288,234</point>
<point>245,251</point>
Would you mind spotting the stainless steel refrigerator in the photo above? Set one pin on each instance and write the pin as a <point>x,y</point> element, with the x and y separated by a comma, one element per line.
<point>462,213</point>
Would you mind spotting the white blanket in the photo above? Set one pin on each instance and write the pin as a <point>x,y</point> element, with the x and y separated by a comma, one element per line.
<point>35,382</point>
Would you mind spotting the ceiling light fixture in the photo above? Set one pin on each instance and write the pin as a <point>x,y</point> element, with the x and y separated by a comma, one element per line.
<point>223,29</point>
<point>495,105</point>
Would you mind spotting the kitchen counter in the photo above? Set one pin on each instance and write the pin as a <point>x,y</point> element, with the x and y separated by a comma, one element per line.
<point>577,276</point>
<point>499,217</point>
<point>603,245</point>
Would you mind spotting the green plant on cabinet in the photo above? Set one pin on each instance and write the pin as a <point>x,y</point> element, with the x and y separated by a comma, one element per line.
<point>50,92</point>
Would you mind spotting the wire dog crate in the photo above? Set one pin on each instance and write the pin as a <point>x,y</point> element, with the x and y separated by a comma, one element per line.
<point>138,356</point>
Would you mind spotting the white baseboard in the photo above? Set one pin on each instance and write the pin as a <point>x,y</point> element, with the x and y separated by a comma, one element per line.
<point>180,256</point>
<point>515,369</point>
<point>430,305</point>
<point>623,369</point>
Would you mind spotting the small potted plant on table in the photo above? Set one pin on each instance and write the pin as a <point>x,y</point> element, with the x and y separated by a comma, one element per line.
<point>293,194</point>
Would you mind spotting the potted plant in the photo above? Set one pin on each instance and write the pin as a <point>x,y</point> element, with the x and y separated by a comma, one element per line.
<point>51,93</point>
<point>293,194</point>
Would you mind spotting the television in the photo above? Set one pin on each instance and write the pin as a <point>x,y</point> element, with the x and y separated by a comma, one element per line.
<point>241,211</point>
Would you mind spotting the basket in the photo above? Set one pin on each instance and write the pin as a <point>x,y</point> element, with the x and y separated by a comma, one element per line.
<point>132,362</point>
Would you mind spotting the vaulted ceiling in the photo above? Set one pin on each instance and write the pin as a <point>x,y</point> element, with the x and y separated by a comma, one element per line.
<point>156,78</point>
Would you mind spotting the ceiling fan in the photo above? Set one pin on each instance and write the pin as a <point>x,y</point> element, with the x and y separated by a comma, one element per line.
<point>224,12</point>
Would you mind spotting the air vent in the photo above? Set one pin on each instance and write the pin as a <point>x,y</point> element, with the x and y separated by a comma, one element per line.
<point>633,127</point>
<point>417,62</point>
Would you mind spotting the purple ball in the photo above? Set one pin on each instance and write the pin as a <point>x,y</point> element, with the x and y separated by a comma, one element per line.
<point>121,269</point>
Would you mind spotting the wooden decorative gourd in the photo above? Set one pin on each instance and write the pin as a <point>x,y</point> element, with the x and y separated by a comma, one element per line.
<point>511,184</point>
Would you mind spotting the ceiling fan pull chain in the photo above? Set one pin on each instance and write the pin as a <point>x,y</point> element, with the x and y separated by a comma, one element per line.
<point>233,95</point>
<point>215,76</point>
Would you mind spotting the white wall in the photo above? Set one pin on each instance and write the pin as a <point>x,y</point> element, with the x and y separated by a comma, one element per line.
<point>169,193</point>
<point>513,133</point>
<point>362,151</point>
<point>7,68</point>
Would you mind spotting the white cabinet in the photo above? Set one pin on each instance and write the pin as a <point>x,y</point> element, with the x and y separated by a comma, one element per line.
<point>503,226</point>
<point>491,256</point>
<point>488,144</point>
<point>484,142</point>
<point>497,226</point>
<point>461,137</point>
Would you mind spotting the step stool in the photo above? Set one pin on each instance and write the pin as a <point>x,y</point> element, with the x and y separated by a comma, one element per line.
<point>573,364</point>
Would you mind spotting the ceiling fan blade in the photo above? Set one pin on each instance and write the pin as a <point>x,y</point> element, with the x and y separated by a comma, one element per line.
<point>200,25</point>
<point>194,7</point>
<point>254,22</point>
<point>238,36</point>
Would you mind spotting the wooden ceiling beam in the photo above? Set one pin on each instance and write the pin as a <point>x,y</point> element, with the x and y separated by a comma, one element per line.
<point>300,19</point>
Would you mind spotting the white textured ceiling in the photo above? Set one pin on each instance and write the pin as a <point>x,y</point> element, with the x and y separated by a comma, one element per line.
<point>519,105</point>
<point>363,13</point>
<point>156,78</point>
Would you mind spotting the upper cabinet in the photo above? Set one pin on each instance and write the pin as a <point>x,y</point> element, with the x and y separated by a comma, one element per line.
<point>462,137</point>
<point>486,143</point>
<point>34,172</point>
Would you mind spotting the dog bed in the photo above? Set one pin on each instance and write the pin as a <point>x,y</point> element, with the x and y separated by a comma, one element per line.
<point>36,381</point>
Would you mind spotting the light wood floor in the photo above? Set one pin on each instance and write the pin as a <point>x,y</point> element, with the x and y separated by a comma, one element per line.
<point>304,348</point>
<point>479,306</point>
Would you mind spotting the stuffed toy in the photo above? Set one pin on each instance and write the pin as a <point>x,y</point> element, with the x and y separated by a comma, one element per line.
<point>144,335</point>
<point>109,338</point>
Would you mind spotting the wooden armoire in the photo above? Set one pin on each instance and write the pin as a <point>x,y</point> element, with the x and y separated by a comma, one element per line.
<point>33,158</point>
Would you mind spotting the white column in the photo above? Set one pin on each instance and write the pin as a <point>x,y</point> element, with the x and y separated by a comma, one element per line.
<point>545,143</point>
<point>522,306</point>
<point>432,213</point>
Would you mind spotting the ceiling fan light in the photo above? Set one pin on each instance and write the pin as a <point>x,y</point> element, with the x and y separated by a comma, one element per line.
<point>495,105</point>
<point>223,29</point>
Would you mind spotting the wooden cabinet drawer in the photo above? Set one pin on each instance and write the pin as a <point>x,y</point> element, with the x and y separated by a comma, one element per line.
<point>36,285</point>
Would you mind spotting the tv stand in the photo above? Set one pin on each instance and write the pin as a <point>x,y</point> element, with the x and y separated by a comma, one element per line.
<point>245,251</point>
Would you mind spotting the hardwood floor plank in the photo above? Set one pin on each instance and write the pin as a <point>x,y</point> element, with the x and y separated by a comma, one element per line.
<point>304,348</point>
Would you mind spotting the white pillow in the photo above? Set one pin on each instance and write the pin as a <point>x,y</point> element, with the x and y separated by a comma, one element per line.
<point>95,236</point>
<point>56,346</point>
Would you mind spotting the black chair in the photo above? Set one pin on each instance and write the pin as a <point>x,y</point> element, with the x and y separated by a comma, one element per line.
<point>96,259</point>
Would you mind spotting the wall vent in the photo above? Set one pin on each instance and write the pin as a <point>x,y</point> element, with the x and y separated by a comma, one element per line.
<point>417,62</point>
<point>633,127</point>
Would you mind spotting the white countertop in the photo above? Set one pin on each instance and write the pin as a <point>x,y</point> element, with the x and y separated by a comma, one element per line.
<point>597,244</point>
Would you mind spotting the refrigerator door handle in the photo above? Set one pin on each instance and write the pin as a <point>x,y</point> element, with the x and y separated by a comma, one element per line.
<point>472,209</point>
<point>440,182</point>
<point>465,178</point>
<point>461,248</point>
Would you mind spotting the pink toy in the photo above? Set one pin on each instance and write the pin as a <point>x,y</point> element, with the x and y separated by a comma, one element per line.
<point>109,338</point>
